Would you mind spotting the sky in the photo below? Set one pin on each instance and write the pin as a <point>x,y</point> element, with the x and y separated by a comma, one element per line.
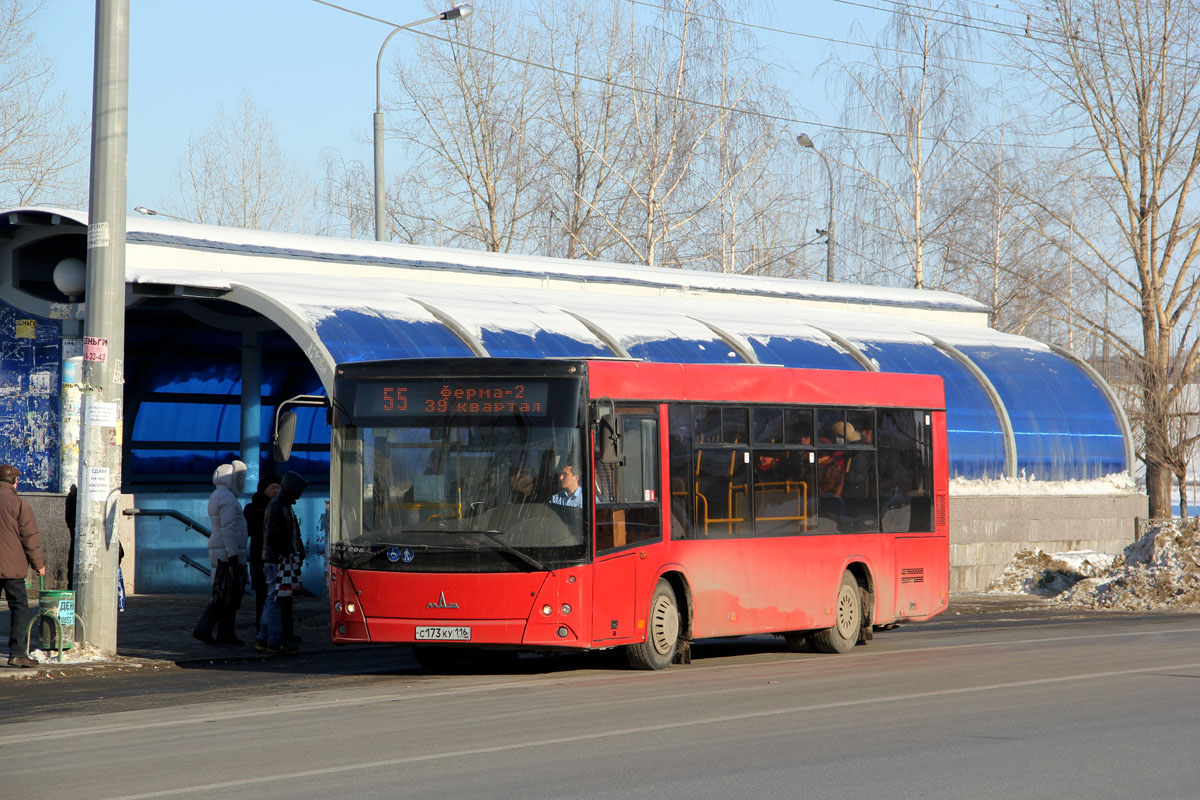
<point>311,68</point>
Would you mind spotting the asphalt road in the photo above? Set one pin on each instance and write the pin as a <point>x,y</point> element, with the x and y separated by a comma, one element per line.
<point>993,706</point>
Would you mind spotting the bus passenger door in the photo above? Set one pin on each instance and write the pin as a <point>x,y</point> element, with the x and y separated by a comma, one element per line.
<point>628,519</point>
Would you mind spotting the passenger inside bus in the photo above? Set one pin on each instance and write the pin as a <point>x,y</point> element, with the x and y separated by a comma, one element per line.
<point>831,473</point>
<point>520,484</point>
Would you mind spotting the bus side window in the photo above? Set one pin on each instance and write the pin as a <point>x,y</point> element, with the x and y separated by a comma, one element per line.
<point>680,460</point>
<point>627,503</point>
<point>905,471</point>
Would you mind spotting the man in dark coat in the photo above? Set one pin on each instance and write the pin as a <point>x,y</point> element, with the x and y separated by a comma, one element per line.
<point>20,549</point>
<point>283,553</point>
<point>268,487</point>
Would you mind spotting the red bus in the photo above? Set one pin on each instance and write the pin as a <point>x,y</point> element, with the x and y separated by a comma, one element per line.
<point>556,505</point>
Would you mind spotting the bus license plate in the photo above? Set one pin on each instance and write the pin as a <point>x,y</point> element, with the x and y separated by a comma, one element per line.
<point>445,633</point>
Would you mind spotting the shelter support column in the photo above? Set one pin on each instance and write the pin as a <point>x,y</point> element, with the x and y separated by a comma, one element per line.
<point>251,406</point>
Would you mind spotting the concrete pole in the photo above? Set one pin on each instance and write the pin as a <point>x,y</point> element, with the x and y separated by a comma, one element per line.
<point>104,333</point>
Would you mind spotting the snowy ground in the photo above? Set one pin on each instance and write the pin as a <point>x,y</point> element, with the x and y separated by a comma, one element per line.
<point>1159,571</point>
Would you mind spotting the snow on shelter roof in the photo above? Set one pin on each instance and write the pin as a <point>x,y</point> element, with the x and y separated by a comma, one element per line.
<point>207,248</point>
<point>346,300</point>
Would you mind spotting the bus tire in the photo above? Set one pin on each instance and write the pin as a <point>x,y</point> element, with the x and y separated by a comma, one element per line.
<point>848,610</point>
<point>662,632</point>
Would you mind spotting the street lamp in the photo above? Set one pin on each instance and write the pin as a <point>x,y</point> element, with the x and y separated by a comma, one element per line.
<point>150,212</point>
<point>804,141</point>
<point>458,12</point>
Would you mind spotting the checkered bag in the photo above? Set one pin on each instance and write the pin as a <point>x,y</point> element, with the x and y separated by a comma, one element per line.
<point>288,581</point>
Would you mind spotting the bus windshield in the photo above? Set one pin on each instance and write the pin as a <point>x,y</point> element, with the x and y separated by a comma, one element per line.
<point>482,485</point>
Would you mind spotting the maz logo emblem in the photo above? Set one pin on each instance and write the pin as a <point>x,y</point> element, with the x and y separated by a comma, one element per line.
<point>441,603</point>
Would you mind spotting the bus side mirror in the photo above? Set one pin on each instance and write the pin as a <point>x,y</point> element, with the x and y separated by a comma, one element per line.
<point>285,436</point>
<point>608,441</point>
<point>285,422</point>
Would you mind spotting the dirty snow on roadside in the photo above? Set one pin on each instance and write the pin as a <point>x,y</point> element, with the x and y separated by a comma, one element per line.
<point>1159,571</point>
<point>78,654</point>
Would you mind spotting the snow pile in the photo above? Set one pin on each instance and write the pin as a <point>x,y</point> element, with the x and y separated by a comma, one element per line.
<point>1159,571</point>
<point>79,654</point>
<point>1116,483</point>
<point>1041,573</point>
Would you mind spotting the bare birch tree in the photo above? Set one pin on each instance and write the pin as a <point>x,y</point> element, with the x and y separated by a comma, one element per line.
<point>346,197</point>
<point>236,174</point>
<point>584,138</point>
<point>746,227</point>
<point>681,97</point>
<point>470,113</point>
<point>43,149</point>
<point>906,186</point>
<point>1126,74</point>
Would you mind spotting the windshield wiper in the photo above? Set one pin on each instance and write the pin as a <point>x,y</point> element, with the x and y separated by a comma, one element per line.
<point>508,548</point>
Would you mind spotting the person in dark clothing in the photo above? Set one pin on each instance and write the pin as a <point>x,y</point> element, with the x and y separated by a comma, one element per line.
<point>268,487</point>
<point>72,506</point>
<point>20,549</point>
<point>282,554</point>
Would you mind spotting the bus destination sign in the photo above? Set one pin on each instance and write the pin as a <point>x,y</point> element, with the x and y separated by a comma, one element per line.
<point>471,398</point>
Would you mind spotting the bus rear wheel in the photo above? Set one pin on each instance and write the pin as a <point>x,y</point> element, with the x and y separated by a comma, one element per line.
<point>662,632</point>
<point>842,637</point>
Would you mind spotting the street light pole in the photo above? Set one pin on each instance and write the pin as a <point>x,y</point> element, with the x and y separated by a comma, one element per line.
<point>458,12</point>
<point>99,478</point>
<point>804,141</point>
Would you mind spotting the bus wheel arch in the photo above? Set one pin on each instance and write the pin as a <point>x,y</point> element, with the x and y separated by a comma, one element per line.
<point>664,629</point>
<point>683,593</point>
<point>849,615</point>
<point>866,582</point>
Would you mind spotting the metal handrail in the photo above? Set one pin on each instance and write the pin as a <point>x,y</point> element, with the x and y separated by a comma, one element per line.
<point>164,512</point>
<point>194,564</point>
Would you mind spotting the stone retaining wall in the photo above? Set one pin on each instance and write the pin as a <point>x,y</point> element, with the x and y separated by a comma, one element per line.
<point>986,531</point>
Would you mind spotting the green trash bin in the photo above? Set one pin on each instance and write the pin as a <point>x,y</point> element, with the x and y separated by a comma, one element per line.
<point>58,605</point>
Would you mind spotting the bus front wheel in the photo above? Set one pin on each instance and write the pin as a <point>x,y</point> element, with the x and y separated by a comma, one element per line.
<point>662,632</point>
<point>848,609</point>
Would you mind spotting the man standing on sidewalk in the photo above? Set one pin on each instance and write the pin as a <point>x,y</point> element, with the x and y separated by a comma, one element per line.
<point>20,549</point>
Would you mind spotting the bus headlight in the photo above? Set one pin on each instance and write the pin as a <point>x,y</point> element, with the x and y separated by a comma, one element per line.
<point>547,610</point>
<point>566,608</point>
<point>338,606</point>
<point>349,608</point>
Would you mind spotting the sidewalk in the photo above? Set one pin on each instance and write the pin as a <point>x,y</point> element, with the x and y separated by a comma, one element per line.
<point>155,631</point>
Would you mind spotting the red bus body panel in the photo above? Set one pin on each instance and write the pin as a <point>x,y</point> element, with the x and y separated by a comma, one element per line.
<point>733,586</point>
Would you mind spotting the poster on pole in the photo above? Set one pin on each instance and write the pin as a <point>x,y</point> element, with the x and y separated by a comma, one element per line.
<point>96,487</point>
<point>101,415</point>
<point>95,348</point>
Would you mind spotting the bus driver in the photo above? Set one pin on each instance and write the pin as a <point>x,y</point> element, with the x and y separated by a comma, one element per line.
<point>571,493</point>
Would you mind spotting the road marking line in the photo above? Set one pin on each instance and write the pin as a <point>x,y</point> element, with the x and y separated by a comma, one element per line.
<point>535,681</point>
<point>665,726</point>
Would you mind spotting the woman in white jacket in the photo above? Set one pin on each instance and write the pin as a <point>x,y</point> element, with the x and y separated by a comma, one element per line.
<point>226,554</point>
